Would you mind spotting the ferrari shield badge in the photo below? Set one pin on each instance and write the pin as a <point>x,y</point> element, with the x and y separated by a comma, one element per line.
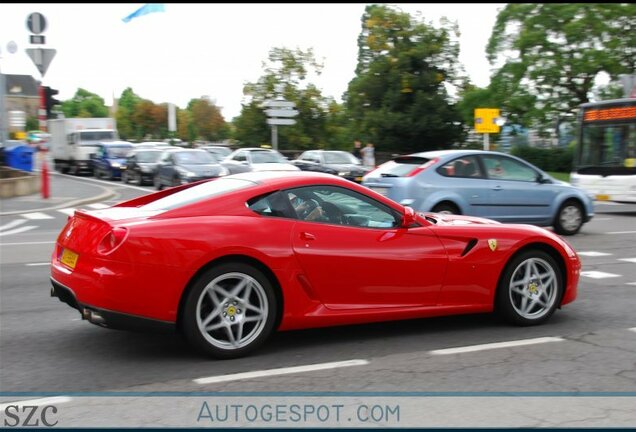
<point>492,244</point>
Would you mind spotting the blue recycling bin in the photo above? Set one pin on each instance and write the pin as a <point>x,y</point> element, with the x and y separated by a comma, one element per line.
<point>20,157</point>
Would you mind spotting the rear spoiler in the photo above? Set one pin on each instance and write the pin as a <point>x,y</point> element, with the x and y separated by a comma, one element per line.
<point>154,196</point>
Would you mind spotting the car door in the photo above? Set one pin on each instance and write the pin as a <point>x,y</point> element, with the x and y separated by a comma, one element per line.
<point>462,182</point>
<point>515,194</point>
<point>364,259</point>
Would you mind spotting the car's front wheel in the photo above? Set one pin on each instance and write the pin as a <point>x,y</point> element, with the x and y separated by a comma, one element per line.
<point>230,310</point>
<point>446,208</point>
<point>530,288</point>
<point>569,219</point>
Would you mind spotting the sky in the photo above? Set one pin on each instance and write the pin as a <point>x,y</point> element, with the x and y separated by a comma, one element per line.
<point>194,50</point>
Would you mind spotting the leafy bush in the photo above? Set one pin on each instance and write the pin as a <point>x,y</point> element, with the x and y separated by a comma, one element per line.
<point>556,160</point>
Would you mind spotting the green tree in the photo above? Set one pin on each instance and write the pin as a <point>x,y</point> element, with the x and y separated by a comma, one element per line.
<point>85,104</point>
<point>286,70</point>
<point>206,120</point>
<point>551,54</point>
<point>398,97</point>
<point>126,106</point>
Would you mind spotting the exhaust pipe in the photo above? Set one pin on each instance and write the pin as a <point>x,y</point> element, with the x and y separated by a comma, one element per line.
<point>93,317</point>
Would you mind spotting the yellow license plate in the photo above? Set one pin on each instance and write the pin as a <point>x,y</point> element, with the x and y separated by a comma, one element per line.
<point>359,179</point>
<point>69,258</point>
<point>601,197</point>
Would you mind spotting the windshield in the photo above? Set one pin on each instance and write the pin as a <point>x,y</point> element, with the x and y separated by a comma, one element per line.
<point>611,145</point>
<point>267,157</point>
<point>401,166</point>
<point>340,158</point>
<point>194,158</point>
<point>197,193</point>
<point>148,156</point>
<point>117,152</point>
<point>96,136</point>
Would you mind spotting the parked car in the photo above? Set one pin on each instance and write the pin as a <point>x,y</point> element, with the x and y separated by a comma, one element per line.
<point>141,166</point>
<point>219,151</point>
<point>109,157</point>
<point>261,159</point>
<point>181,166</point>
<point>232,260</point>
<point>343,163</point>
<point>482,183</point>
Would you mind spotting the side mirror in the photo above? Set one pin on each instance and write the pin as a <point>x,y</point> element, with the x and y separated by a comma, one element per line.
<point>408,217</point>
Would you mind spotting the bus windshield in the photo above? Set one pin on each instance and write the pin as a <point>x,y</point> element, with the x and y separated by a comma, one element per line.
<point>605,154</point>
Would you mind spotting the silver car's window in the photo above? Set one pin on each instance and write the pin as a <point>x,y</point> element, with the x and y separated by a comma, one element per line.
<point>463,167</point>
<point>504,168</point>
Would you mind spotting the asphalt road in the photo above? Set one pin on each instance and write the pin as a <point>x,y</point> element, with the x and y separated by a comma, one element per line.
<point>45,347</point>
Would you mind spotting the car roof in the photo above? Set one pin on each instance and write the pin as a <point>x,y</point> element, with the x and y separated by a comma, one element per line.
<point>449,153</point>
<point>116,143</point>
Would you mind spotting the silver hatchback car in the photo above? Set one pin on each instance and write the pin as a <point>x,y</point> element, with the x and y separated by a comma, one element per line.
<point>482,183</point>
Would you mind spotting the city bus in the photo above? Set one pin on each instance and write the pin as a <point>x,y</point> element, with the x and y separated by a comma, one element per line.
<point>605,154</point>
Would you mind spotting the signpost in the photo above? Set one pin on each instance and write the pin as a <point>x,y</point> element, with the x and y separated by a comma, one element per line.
<point>41,58</point>
<point>487,121</point>
<point>279,114</point>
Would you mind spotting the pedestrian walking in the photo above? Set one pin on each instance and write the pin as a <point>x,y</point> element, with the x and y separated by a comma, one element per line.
<point>368,156</point>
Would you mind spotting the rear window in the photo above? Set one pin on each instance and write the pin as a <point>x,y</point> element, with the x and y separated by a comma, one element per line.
<point>401,166</point>
<point>198,193</point>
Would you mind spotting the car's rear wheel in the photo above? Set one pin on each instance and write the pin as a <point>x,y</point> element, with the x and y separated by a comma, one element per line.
<point>446,208</point>
<point>530,288</point>
<point>569,219</point>
<point>124,177</point>
<point>230,310</point>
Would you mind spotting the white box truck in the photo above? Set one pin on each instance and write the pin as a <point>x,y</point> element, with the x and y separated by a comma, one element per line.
<point>73,141</point>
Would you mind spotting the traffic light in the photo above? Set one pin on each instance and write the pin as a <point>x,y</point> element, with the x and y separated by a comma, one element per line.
<point>50,101</point>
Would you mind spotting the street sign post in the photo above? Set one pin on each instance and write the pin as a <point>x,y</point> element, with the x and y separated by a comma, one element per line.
<point>279,112</point>
<point>41,58</point>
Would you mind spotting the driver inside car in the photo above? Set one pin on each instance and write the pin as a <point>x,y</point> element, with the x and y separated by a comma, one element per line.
<point>306,208</point>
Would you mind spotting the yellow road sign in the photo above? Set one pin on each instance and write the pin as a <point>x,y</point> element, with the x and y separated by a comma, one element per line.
<point>485,120</point>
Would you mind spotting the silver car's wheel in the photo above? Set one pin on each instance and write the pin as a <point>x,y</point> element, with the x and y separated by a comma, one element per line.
<point>530,288</point>
<point>569,219</point>
<point>230,311</point>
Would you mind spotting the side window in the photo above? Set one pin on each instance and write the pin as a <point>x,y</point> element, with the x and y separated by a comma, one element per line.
<point>503,168</point>
<point>273,204</point>
<point>467,166</point>
<point>240,157</point>
<point>334,205</point>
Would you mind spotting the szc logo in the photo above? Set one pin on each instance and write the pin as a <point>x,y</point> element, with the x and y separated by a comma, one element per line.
<point>30,415</point>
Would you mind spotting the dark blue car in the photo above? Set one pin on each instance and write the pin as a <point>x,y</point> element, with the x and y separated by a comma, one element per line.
<point>109,158</point>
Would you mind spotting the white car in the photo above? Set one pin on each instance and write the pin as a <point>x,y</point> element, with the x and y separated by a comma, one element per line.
<point>261,159</point>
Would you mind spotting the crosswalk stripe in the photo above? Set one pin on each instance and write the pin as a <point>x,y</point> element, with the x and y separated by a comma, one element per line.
<point>13,223</point>
<point>98,206</point>
<point>631,260</point>
<point>67,211</point>
<point>18,230</point>
<point>598,274</point>
<point>36,215</point>
<point>593,254</point>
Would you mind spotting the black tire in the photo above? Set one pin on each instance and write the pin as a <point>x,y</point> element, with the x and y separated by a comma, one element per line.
<point>543,288</point>
<point>446,208</point>
<point>230,313</point>
<point>569,218</point>
<point>124,177</point>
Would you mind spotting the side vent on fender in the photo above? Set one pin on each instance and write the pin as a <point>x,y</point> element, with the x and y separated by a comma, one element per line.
<point>471,244</point>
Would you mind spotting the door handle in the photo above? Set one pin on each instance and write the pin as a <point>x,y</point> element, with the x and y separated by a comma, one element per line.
<point>497,188</point>
<point>307,236</point>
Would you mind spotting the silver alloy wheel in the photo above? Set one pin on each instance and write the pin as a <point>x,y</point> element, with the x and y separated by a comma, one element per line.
<point>533,288</point>
<point>232,310</point>
<point>570,217</point>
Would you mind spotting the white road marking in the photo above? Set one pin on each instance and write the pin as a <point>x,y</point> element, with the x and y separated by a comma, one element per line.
<point>611,203</point>
<point>97,206</point>
<point>13,223</point>
<point>280,371</point>
<point>593,254</point>
<point>630,283</point>
<point>598,274</point>
<point>36,215</point>
<point>27,243</point>
<point>67,211</point>
<point>38,264</point>
<point>44,401</point>
<point>489,346</point>
<point>602,219</point>
<point>631,260</point>
<point>18,230</point>
<point>632,329</point>
<point>622,232</point>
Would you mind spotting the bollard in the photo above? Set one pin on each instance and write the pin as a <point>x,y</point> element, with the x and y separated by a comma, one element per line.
<point>45,179</point>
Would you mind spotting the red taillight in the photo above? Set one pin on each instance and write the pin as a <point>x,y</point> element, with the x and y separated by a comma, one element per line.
<point>112,240</point>
<point>421,168</point>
